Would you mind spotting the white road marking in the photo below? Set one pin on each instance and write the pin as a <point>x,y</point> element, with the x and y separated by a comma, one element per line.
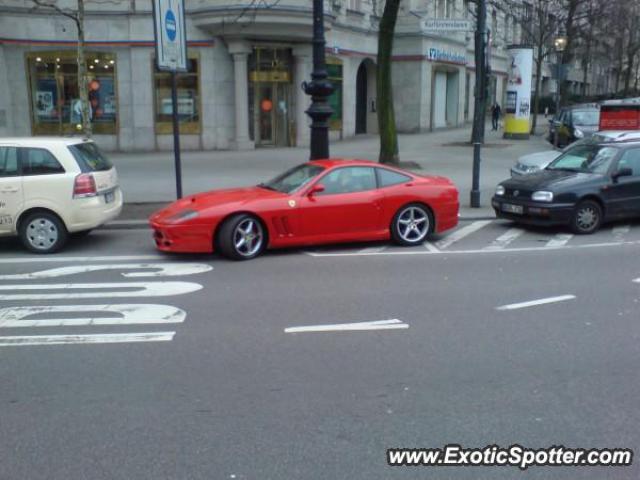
<point>86,339</point>
<point>637,280</point>
<point>505,239</point>
<point>431,247</point>
<point>621,230</point>
<point>140,289</point>
<point>560,240</point>
<point>349,327</point>
<point>121,314</point>
<point>163,270</point>
<point>533,303</point>
<point>62,258</point>
<point>474,251</point>
<point>459,234</point>
<point>373,249</point>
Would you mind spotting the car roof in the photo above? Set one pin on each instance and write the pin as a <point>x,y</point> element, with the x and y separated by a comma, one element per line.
<point>616,136</point>
<point>41,141</point>
<point>341,162</point>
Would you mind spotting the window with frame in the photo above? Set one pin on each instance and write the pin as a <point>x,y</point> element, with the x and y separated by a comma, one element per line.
<point>38,161</point>
<point>56,108</point>
<point>8,161</point>
<point>349,180</point>
<point>188,91</point>
<point>334,70</point>
<point>387,178</point>
<point>631,159</point>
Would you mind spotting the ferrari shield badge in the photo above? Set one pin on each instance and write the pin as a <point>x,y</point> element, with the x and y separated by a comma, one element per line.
<point>292,203</point>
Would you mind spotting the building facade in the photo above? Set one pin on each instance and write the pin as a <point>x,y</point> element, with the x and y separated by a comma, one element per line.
<point>246,64</point>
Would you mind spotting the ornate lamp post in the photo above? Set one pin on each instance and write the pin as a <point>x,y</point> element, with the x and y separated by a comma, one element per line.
<point>559,44</point>
<point>319,88</point>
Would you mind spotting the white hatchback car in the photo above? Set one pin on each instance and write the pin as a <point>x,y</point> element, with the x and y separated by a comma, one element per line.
<point>53,187</point>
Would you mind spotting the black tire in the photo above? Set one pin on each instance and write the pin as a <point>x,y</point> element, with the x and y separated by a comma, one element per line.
<point>234,229</point>
<point>587,217</point>
<point>43,232</point>
<point>405,237</point>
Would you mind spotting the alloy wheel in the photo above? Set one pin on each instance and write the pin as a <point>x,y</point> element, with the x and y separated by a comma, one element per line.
<point>413,224</point>
<point>248,237</point>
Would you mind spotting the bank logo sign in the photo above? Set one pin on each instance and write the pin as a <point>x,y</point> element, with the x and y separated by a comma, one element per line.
<point>437,55</point>
<point>170,35</point>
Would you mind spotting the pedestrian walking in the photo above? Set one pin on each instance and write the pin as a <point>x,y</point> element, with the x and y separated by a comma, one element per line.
<point>495,115</point>
<point>546,112</point>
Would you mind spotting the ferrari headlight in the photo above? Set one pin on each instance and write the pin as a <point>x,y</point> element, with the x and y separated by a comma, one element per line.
<point>183,216</point>
<point>542,196</point>
<point>500,191</point>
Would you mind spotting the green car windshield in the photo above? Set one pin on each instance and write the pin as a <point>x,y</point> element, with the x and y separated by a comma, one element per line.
<point>585,158</point>
<point>293,179</point>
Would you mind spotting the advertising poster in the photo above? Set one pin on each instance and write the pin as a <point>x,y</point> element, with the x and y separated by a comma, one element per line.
<point>517,109</point>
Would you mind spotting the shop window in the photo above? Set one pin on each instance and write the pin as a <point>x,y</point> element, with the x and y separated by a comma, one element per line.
<point>55,98</point>
<point>334,69</point>
<point>188,86</point>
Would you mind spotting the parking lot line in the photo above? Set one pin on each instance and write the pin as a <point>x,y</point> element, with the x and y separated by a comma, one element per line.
<point>392,324</point>
<point>505,239</point>
<point>560,240</point>
<point>621,230</point>
<point>461,233</point>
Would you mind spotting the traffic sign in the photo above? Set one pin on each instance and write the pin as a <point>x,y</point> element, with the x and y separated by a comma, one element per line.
<point>441,25</point>
<point>170,35</point>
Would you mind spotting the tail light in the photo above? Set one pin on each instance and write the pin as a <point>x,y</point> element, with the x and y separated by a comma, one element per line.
<point>84,186</point>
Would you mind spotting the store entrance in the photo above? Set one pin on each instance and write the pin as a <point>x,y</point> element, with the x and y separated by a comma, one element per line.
<point>270,98</point>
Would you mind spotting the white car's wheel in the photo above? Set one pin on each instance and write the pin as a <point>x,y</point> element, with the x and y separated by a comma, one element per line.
<point>43,232</point>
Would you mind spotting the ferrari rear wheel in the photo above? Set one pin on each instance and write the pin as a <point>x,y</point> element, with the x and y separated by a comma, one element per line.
<point>241,237</point>
<point>411,224</point>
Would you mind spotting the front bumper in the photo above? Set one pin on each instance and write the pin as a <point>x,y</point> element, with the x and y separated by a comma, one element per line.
<point>534,213</point>
<point>183,238</point>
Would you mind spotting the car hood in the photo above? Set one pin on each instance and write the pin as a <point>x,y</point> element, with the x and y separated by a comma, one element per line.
<point>217,198</point>
<point>539,159</point>
<point>548,180</point>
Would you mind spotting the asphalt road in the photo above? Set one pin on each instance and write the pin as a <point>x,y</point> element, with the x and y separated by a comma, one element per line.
<point>228,393</point>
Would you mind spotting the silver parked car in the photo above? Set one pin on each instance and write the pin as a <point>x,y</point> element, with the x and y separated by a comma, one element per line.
<point>534,162</point>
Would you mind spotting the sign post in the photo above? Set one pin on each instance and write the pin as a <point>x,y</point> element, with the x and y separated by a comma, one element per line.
<point>171,56</point>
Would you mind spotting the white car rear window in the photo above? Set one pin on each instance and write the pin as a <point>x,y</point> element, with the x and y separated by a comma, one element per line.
<point>90,158</point>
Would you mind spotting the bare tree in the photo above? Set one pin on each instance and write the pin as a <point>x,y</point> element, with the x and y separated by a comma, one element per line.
<point>386,115</point>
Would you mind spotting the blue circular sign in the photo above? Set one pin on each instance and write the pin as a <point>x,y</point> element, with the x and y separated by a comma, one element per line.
<point>170,25</point>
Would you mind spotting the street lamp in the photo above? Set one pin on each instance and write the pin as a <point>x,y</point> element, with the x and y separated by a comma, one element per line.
<point>559,44</point>
<point>319,88</point>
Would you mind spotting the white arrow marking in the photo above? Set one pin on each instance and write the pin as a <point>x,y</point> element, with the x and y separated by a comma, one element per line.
<point>533,303</point>
<point>136,289</point>
<point>163,270</point>
<point>345,327</point>
<point>121,314</point>
<point>86,339</point>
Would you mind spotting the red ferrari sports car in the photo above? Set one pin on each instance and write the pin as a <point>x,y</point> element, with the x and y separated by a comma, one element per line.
<point>319,202</point>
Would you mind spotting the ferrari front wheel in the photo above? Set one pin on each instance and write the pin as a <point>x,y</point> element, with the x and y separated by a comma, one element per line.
<point>241,237</point>
<point>411,224</point>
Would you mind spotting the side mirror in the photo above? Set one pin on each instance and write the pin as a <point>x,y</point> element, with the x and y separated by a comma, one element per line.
<point>317,188</point>
<point>623,172</point>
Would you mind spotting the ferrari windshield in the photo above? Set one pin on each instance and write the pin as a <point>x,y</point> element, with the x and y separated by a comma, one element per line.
<point>293,179</point>
<point>585,158</point>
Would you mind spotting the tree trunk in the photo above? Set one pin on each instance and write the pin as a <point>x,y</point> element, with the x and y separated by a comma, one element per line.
<point>384,93</point>
<point>83,87</point>
<point>536,92</point>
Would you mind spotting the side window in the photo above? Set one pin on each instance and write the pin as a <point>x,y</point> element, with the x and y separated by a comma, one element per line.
<point>8,161</point>
<point>38,161</point>
<point>631,159</point>
<point>387,177</point>
<point>349,179</point>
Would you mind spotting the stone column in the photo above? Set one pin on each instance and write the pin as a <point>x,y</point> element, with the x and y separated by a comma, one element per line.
<point>240,51</point>
<point>302,73</point>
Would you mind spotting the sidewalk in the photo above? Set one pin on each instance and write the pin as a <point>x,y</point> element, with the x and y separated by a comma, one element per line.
<point>148,181</point>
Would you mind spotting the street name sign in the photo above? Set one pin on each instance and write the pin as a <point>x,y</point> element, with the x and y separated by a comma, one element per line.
<point>447,25</point>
